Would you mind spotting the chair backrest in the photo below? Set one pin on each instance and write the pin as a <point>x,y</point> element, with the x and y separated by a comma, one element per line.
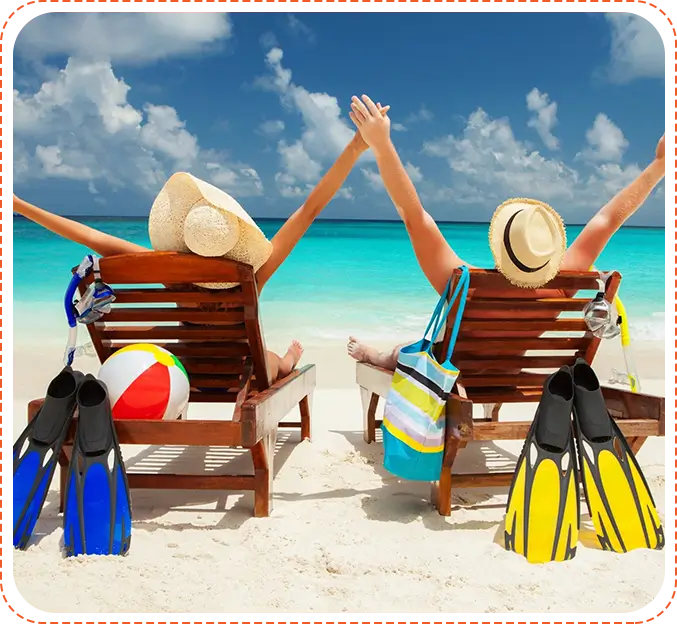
<point>215,333</point>
<point>511,338</point>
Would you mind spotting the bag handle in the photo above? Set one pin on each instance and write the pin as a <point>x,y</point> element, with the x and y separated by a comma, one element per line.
<point>459,316</point>
<point>461,285</point>
<point>434,319</point>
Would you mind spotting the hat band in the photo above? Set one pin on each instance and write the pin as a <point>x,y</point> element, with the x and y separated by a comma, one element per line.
<point>511,254</point>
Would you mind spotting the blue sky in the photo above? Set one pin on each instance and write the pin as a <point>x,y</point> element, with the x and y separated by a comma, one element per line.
<point>566,108</point>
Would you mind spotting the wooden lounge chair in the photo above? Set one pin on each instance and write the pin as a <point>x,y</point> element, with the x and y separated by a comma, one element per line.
<point>495,369</point>
<point>222,348</point>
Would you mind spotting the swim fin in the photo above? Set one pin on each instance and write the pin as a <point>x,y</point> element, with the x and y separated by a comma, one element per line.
<point>36,453</point>
<point>542,515</point>
<point>618,497</point>
<point>97,513</point>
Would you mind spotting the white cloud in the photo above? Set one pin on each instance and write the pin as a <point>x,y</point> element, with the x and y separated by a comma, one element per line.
<point>606,141</point>
<point>122,37</point>
<point>324,136</point>
<point>373,178</point>
<point>297,163</point>
<point>300,29</point>
<point>637,49</point>
<point>423,114</point>
<point>398,127</point>
<point>268,40</point>
<point>489,165</point>
<point>414,173</point>
<point>545,117</point>
<point>271,127</point>
<point>53,163</point>
<point>79,125</point>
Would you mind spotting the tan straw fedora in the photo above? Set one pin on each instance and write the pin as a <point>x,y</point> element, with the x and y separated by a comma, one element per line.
<point>528,241</point>
<point>192,215</point>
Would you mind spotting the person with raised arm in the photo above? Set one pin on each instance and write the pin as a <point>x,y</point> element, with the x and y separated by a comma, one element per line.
<point>437,258</point>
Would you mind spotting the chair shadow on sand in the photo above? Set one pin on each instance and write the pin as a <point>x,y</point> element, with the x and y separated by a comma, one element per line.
<point>149,505</point>
<point>396,500</point>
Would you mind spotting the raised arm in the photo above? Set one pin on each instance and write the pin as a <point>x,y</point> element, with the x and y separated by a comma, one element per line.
<point>585,250</point>
<point>298,223</point>
<point>434,254</point>
<point>98,242</point>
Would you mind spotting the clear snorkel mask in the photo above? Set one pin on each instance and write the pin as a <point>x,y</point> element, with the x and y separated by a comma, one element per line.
<point>95,302</point>
<point>601,317</point>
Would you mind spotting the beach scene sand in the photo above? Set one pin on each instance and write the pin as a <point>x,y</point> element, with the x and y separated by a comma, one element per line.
<point>563,109</point>
<point>344,535</point>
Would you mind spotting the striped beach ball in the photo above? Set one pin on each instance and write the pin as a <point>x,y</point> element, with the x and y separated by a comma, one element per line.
<point>145,382</point>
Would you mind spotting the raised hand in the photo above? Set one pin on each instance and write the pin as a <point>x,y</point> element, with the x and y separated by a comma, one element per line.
<point>374,126</point>
<point>358,140</point>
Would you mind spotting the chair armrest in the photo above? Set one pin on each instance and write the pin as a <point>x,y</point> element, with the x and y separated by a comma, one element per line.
<point>375,379</point>
<point>459,417</point>
<point>625,405</point>
<point>34,407</point>
<point>262,412</point>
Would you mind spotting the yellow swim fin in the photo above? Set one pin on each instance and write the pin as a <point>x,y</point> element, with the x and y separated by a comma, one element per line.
<point>542,515</point>
<point>618,497</point>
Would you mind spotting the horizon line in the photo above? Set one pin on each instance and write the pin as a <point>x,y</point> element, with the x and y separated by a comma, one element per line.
<point>344,220</point>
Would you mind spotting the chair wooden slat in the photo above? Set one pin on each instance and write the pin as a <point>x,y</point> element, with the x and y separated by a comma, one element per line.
<point>471,363</point>
<point>514,345</point>
<point>172,268</point>
<point>517,380</point>
<point>478,305</point>
<point>151,333</point>
<point>522,325</point>
<point>489,280</point>
<point>231,298</point>
<point>160,315</point>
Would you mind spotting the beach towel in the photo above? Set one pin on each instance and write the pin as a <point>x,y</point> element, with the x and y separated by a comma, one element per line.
<point>414,419</point>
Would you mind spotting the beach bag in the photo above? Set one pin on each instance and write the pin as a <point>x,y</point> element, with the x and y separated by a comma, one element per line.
<point>414,419</point>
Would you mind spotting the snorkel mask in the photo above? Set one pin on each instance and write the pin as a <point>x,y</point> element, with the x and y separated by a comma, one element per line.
<point>95,302</point>
<point>600,316</point>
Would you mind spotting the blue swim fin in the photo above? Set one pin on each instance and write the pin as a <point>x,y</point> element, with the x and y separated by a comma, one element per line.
<point>36,452</point>
<point>97,514</point>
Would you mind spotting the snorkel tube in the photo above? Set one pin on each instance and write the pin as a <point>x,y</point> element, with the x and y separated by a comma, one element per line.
<point>624,325</point>
<point>71,312</point>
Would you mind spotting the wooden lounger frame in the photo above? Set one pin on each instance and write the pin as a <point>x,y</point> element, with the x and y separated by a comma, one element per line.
<point>500,322</point>
<point>223,350</point>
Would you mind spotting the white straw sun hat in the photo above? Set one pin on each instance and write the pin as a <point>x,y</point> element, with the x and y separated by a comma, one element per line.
<point>192,215</point>
<point>528,241</point>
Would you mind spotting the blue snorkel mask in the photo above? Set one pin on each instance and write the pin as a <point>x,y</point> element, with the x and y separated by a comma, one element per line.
<point>95,302</point>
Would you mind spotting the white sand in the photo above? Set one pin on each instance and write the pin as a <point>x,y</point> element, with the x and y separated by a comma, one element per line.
<point>344,535</point>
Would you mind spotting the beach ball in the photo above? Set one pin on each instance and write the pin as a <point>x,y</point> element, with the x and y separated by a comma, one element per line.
<point>145,382</point>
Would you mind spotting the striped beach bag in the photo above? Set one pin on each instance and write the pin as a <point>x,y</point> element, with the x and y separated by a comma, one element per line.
<point>414,419</point>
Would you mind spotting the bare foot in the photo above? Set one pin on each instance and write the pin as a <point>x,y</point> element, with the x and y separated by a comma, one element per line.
<point>364,353</point>
<point>290,359</point>
<point>357,350</point>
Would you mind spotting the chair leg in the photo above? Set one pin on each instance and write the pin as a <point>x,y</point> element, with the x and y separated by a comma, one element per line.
<point>369,406</point>
<point>441,490</point>
<point>262,456</point>
<point>636,443</point>
<point>305,407</point>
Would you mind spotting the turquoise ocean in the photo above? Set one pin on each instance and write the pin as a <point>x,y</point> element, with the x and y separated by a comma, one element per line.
<point>344,277</point>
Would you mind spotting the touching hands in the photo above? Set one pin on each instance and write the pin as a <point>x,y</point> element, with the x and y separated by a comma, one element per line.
<point>358,139</point>
<point>372,121</point>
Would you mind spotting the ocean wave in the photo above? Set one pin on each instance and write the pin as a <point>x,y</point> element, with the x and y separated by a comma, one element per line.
<point>649,329</point>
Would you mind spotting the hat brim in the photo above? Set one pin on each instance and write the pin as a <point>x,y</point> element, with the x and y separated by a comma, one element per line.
<point>183,191</point>
<point>502,260</point>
